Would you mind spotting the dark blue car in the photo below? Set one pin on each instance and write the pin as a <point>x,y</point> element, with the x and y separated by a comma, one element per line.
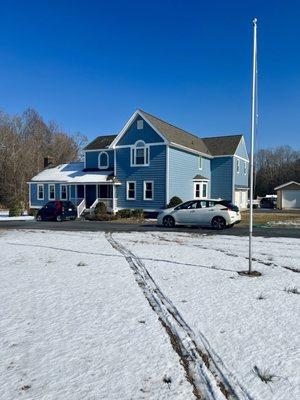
<point>57,211</point>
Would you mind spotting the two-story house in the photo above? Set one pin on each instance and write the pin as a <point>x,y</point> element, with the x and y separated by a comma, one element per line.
<point>144,166</point>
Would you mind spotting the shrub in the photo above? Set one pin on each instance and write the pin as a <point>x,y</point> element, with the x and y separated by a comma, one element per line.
<point>125,213</point>
<point>175,201</point>
<point>99,217</point>
<point>138,213</point>
<point>32,212</point>
<point>100,208</point>
<point>15,210</point>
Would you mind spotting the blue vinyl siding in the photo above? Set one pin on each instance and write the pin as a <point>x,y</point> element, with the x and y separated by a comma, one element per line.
<point>155,172</point>
<point>221,178</point>
<point>147,134</point>
<point>241,150</point>
<point>240,179</point>
<point>39,203</point>
<point>91,158</point>
<point>183,167</point>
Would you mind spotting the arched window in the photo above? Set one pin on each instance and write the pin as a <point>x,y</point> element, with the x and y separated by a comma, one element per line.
<point>103,160</point>
<point>140,154</point>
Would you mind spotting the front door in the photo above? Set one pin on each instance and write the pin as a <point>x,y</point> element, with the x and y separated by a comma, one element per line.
<point>90,193</point>
<point>80,191</point>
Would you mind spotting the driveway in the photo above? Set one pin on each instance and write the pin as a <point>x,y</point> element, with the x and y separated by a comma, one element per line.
<point>97,226</point>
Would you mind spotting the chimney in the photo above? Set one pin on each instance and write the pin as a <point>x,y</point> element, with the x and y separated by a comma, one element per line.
<point>48,161</point>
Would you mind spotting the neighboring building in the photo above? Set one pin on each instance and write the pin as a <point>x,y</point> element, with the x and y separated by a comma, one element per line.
<point>288,195</point>
<point>145,165</point>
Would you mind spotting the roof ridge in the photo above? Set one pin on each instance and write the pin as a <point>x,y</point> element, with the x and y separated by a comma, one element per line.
<point>215,137</point>
<point>174,126</point>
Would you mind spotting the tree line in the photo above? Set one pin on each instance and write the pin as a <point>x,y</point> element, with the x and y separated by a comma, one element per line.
<point>24,142</point>
<point>274,167</point>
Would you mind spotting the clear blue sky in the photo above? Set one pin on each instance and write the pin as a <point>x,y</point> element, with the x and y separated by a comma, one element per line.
<point>89,64</point>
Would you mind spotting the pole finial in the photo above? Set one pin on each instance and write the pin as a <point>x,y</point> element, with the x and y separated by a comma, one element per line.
<point>255,21</point>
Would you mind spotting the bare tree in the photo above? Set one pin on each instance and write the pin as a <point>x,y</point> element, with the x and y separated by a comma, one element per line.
<point>24,142</point>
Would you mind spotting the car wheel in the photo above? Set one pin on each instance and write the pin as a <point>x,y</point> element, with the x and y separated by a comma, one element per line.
<point>39,218</point>
<point>218,223</point>
<point>59,218</point>
<point>169,222</point>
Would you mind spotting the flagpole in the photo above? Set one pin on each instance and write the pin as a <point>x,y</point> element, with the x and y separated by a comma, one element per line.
<point>253,111</point>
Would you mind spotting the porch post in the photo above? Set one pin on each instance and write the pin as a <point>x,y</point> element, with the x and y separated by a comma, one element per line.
<point>114,205</point>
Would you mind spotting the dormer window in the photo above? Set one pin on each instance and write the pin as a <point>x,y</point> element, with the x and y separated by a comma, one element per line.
<point>140,124</point>
<point>140,154</point>
<point>103,160</point>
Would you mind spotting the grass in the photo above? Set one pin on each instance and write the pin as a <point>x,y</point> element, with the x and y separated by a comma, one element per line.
<point>264,375</point>
<point>293,290</point>
<point>263,218</point>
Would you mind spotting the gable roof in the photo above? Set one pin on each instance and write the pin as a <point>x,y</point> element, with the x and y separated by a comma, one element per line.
<point>101,142</point>
<point>222,145</point>
<point>176,135</point>
<point>287,184</point>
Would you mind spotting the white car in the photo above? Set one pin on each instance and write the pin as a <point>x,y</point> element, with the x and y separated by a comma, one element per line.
<point>216,213</point>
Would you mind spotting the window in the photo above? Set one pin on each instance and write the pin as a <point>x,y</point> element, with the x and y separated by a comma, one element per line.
<point>140,154</point>
<point>105,192</point>
<point>148,190</point>
<point>188,205</point>
<point>200,162</point>
<point>130,190</point>
<point>204,190</point>
<point>40,190</point>
<point>63,192</point>
<point>103,160</point>
<point>245,168</point>
<point>200,190</point>
<point>237,166</point>
<point>51,192</point>
<point>140,124</point>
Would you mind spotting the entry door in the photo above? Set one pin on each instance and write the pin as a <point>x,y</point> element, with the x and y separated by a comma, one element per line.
<point>90,191</point>
<point>80,191</point>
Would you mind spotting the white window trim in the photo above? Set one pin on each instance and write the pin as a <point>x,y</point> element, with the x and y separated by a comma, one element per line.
<point>49,186</point>
<point>200,163</point>
<point>133,154</point>
<point>201,183</point>
<point>127,190</point>
<point>61,191</point>
<point>107,160</point>
<point>144,191</point>
<point>237,166</point>
<point>38,191</point>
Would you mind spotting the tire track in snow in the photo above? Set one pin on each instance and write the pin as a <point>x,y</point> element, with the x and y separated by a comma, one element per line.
<point>204,368</point>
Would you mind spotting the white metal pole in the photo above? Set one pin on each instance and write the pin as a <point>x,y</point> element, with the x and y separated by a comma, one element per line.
<point>253,110</point>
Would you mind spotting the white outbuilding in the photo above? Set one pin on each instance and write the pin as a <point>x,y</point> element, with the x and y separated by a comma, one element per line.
<point>288,195</point>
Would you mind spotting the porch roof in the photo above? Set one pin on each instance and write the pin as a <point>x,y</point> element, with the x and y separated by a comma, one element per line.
<point>73,173</point>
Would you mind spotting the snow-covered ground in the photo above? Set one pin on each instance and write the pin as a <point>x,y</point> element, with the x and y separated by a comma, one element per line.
<point>147,316</point>
<point>4,216</point>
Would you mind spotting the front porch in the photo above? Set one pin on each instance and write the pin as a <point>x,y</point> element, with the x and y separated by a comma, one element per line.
<point>87,196</point>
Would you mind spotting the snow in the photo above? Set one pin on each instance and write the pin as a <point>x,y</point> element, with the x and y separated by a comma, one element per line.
<point>85,316</point>
<point>78,332</point>
<point>71,173</point>
<point>4,216</point>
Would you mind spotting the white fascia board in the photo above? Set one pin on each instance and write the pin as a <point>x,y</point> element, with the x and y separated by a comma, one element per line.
<point>287,184</point>
<point>232,155</point>
<point>127,125</point>
<point>179,146</point>
<point>91,150</point>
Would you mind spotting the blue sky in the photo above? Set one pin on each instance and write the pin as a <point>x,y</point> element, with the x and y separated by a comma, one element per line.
<point>89,64</point>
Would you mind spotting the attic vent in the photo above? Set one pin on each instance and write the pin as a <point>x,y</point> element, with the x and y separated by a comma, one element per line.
<point>140,124</point>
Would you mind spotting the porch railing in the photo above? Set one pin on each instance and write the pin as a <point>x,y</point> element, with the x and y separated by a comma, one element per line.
<point>80,206</point>
<point>109,203</point>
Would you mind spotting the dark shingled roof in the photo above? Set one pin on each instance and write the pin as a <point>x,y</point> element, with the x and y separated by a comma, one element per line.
<point>177,135</point>
<point>101,142</point>
<point>222,145</point>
